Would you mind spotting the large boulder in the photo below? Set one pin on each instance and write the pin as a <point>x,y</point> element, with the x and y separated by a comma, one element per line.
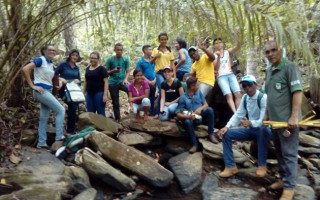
<point>139,138</point>
<point>304,192</point>
<point>98,168</point>
<point>210,191</point>
<point>308,140</point>
<point>187,168</point>
<point>177,145</point>
<point>36,193</point>
<point>28,137</point>
<point>131,159</point>
<point>202,131</point>
<point>99,122</point>
<point>215,151</point>
<point>80,178</point>
<point>309,150</point>
<point>88,194</point>
<point>250,173</point>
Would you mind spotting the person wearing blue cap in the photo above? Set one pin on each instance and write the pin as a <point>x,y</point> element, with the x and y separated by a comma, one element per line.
<point>249,114</point>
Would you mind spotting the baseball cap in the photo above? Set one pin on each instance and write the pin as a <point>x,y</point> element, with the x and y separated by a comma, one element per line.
<point>168,67</point>
<point>248,78</point>
<point>193,48</point>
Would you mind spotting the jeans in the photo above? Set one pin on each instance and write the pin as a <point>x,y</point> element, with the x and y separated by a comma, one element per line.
<point>207,119</point>
<point>114,93</point>
<point>47,103</point>
<point>180,75</point>
<point>72,117</point>
<point>261,134</point>
<point>159,80</point>
<point>95,103</point>
<point>171,109</point>
<point>228,83</point>
<point>152,93</point>
<point>287,155</point>
<point>204,88</point>
<point>137,107</point>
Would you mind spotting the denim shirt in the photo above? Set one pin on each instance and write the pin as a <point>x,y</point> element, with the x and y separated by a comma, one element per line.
<point>186,67</point>
<point>67,72</point>
<point>191,103</point>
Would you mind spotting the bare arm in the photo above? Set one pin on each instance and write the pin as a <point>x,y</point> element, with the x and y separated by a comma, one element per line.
<point>173,67</point>
<point>84,87</point>
<point>235,49</point>
<point>106,88</point>
<point>162,101</point>
<point>205,50</point>
<point>26,71</point>
<point>125,81</point>
<point>296,105</point>
<point>182,58</point>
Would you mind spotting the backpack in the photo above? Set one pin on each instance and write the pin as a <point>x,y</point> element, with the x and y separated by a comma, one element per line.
<point>258,100</point>
<point>74,142</point>
<point>112,61</point>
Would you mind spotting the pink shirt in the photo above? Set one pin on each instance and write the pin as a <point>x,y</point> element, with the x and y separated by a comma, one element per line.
<point>136,93</point>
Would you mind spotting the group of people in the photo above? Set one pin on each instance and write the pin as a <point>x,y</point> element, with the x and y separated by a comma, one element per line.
<point>156,69</point>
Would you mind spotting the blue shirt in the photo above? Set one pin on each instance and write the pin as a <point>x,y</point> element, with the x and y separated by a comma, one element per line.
<point>186,67</point>
<point>147,68</point>
<point>67,72</point>
<point>191,103</point>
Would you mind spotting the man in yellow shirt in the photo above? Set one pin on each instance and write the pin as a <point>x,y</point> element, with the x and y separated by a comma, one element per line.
<point>203,67</point>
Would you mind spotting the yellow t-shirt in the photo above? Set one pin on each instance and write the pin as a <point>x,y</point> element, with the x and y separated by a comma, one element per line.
<point>164,60</point>
<point>204,70</point>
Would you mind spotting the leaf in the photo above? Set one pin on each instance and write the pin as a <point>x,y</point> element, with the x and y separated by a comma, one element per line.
<point>14,159</point>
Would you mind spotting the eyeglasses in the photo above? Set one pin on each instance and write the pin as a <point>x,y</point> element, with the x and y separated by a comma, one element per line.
<point>271,50</point>
<point>247,84</point>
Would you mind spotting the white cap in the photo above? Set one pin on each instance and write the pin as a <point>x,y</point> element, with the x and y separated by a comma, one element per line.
<point>193,48</point>
<point>248,78</point>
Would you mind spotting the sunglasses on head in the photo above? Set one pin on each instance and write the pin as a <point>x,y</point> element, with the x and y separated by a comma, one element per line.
<point>247,84</point>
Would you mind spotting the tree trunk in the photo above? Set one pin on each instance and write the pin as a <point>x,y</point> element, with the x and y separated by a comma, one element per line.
<point>252,62</point>
<point>68,33</point>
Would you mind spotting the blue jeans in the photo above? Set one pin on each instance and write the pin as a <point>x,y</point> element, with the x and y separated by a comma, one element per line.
<point>180,75</point>
<point>169,110</point>
<point>47,103</point>
<point>262,135</point>
<point>95,103</point>
<point>207,119</point>
<point>72,117</point>
<point>152,93</point>
<point>159,80</point>
<point>114,93</point>
<point>228,83</point>
<point>287,155</point>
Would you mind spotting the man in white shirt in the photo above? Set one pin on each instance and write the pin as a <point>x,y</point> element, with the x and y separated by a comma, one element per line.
<point>250,114</point>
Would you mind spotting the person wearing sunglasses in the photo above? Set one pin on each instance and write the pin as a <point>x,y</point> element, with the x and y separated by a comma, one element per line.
<point>249,114</point>
<point>283,84</point>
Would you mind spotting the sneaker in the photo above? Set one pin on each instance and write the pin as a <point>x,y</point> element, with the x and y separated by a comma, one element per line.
<point>227,172</point>
<point>62,138</point>
<point>193,149</point>
<point>261,171</point>
<point>276,185</point>
<point>287,195</point>
<point>213,139</point>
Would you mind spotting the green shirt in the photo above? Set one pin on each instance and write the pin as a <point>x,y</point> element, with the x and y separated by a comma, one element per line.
<point>281,83</point>
<point>113,62</point>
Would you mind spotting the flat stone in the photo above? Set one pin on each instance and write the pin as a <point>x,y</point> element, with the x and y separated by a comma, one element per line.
<point>40,161</point>
<point>315,134</point>
<point>215,151</point>
<point>78,175</point>
<point>88,194</point>
<point>316,179</point>
<point>309,150</point>
<point>187,168</point>
<point>98,121</point>
<point>304,192</point>
<point>131,159</point>
<point>307,164</point>
<point>250,173</point>
<point>202,131</point>
<point>98,168</point>
<point>210,191</point>
<point>36,193</point>
<point>177,145</point>
<point>28,137</point>
<point>315,162</point>
<point>139,138</point>
<point>308,140</point>
<point>56,145</point>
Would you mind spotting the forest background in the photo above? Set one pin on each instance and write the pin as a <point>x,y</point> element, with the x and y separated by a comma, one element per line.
<point>26,25</point>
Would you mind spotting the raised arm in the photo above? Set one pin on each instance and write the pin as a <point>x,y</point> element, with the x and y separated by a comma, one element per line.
<point>235,49</point>
<point>210,54</point>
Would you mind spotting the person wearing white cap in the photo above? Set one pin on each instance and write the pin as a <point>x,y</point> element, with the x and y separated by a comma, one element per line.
<point>249,114</point>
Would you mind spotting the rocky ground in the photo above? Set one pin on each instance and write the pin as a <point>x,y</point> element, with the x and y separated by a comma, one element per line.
<point>148,160</point>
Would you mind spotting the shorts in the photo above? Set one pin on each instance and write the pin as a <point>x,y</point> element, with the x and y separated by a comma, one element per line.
<point>228,84</point>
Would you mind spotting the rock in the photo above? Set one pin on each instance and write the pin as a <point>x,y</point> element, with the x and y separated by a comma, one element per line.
<point>177,145</point>
<point>303,180</point>
<point>40,162</point>
<point>56,145</point>
<point>317,191</point>
<point>215,151</point>
<point>131,159</point>
<point>156,126</point>
<point>202,131</point>
<point>304,192</point>
<point>210,191</point>
<point>98,168</point>
<point>307,164</point>
<point>315,162</point>
<point>315,134</point>
<point>59,183</point>
<point>109,133</point>
<point>99,122</point>
<point>250,173</point>
<point>36,193</point>
<point>308,140</point>
<point>88,194</point>
<point>78,175</point>
<point>139,138</point>
<point>316,179</point>
<point>187,168</point>
<point>28,137</point>
<point>309,150</point>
